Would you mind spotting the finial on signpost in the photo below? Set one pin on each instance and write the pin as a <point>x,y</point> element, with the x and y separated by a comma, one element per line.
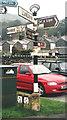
<point>34,8</point>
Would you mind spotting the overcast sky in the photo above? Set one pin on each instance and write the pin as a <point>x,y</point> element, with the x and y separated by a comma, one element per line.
<point>47,7</point>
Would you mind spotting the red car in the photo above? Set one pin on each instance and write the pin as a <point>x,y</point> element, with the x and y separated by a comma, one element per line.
<point>47,82</point>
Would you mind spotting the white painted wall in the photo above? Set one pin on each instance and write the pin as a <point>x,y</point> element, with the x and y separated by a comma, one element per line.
<point>11,48</point>
<point>0,48</point>
<point>52,45</point>
<point>25,47</point>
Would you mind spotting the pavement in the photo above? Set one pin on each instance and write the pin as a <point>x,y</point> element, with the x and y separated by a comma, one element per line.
<point>47,117</point>
<point>61,97</point>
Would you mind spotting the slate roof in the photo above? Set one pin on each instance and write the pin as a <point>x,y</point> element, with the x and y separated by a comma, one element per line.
<point>24,41</point>
<point>62,38</point>
<point>2,42</point>
<point>53,39</point>
<point>21,41</point>
<point>48,39</point>
<point>11,42</point>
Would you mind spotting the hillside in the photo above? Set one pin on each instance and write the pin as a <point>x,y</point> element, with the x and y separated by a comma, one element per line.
<point>53,31</point>
<point>10,17</point>
<point>9,20</point>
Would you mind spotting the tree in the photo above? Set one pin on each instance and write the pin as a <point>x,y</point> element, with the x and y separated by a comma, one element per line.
<point>9,24</point>
<point>53,31</point>
<point>14,50</point>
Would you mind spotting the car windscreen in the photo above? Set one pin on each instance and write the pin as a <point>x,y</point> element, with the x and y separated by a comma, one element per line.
<point>63,65</point>
<point>39,69</point>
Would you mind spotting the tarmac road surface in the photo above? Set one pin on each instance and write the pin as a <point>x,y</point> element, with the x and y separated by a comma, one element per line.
<point>58,97</point>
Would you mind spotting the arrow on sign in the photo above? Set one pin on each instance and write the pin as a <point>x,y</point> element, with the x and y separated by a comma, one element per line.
<point>3,10</point>
<point>48,22</point>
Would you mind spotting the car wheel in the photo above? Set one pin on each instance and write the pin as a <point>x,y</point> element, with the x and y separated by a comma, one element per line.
<point>41,89</point>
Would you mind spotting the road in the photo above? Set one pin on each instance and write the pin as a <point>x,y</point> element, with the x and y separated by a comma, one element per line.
<point>58,97</point>
<point>61,97</point>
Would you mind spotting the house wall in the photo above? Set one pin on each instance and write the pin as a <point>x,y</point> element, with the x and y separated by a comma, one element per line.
<point>6,47</point>
<point>61,46</point>
<point>11,46</point>
<point>52,45</point>
<point>30,45</point>
<point>0,48</point>
<point>61,42</point>
<point>18,45</point>
<point>47,44</point>
<point>25,47</point>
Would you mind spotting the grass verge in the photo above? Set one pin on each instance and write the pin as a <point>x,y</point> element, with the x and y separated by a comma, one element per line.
<point>47,107</point>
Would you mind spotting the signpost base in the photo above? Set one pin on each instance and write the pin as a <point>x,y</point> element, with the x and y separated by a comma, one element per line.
<point>36,101</point>
<point>29,101</point>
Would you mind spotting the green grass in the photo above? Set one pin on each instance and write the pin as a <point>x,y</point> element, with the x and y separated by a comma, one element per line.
<point>46,107</point>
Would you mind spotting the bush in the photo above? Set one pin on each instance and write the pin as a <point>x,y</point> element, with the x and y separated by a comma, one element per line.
<point>15,51</point>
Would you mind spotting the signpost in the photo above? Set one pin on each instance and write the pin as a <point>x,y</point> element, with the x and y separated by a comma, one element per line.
<point>44,22</point>
<point>3,10</point>
<point>29,34</point>
<point>48,22</point>
<point>10,3</point>
<point>15,29</point>
<point>25,14</point>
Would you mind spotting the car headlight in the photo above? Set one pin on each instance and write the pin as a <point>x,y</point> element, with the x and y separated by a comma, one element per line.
<point>52,83</point>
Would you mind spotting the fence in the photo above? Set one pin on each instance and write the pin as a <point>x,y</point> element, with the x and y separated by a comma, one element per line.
<point>7,59</point>
<point>15,58</point>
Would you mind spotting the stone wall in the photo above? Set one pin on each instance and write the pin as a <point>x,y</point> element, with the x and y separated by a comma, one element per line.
<point>7,60</point>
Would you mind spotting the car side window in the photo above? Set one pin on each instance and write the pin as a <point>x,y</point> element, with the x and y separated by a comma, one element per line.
<point>23,70</point>
<point>54,66</point>
<point>46,65</point>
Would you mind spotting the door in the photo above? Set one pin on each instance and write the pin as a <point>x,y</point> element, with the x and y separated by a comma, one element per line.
<point>25,79</point>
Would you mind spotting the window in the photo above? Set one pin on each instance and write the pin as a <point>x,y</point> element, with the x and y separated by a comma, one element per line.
<point>47,65</point>
<point>54,66</point>
<point>39,69</point>
<point>23,69</point>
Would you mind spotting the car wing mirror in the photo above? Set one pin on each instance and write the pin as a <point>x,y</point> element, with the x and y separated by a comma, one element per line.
<point>28,74</point>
